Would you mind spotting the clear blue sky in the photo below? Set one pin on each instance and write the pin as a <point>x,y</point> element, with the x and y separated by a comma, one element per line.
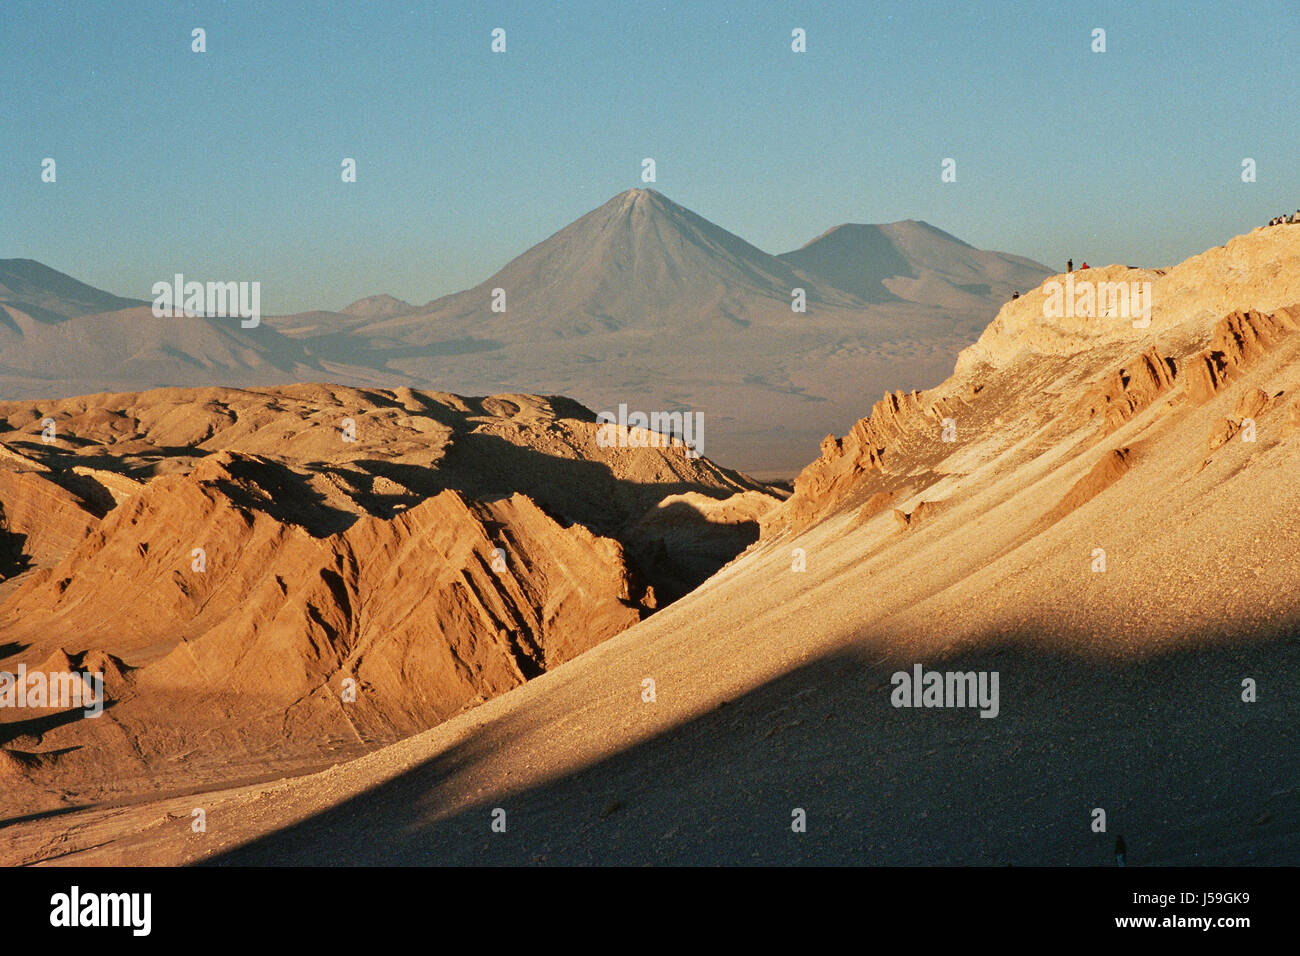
<point>226,164</point>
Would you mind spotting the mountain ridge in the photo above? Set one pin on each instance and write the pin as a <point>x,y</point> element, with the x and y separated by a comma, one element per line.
<point>870,260</point>
<point>639,301</point>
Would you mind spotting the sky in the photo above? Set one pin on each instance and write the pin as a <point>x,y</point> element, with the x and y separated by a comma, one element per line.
<point>226,165</point>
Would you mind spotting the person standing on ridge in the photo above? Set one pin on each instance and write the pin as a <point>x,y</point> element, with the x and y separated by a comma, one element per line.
<point>1069,265</point>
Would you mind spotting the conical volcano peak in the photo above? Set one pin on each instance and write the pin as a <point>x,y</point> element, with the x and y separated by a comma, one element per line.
<point>639,259</point>
<point>639,193</point>
<point>643,200</point>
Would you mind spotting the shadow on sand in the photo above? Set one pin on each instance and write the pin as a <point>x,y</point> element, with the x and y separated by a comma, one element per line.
<point>1186,771</point>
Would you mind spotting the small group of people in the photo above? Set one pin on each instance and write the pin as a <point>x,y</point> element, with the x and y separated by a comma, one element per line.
<point>1069,267</point>
<point>1284,218</point>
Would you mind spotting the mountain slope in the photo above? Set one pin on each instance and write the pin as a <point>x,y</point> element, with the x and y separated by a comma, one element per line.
<point>59,336</point>
<point>378,306</point>
<point>1101,532</point>
<point>913,261</point>
<point>639,302</point>
<point>638,261</point>
<point>643,302</point>
<point>48,295</point>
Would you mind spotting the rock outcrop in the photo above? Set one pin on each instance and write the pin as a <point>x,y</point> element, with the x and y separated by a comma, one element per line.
<point>309,570</point>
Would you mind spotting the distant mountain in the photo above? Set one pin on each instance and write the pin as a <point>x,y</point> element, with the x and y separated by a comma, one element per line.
<point>643,301</point>
<point>914,262</point>
<point>48,295</point>
<point>378,306</point>
<point>640,301</point>
<point>639,261</point>
<point>60,337</point>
